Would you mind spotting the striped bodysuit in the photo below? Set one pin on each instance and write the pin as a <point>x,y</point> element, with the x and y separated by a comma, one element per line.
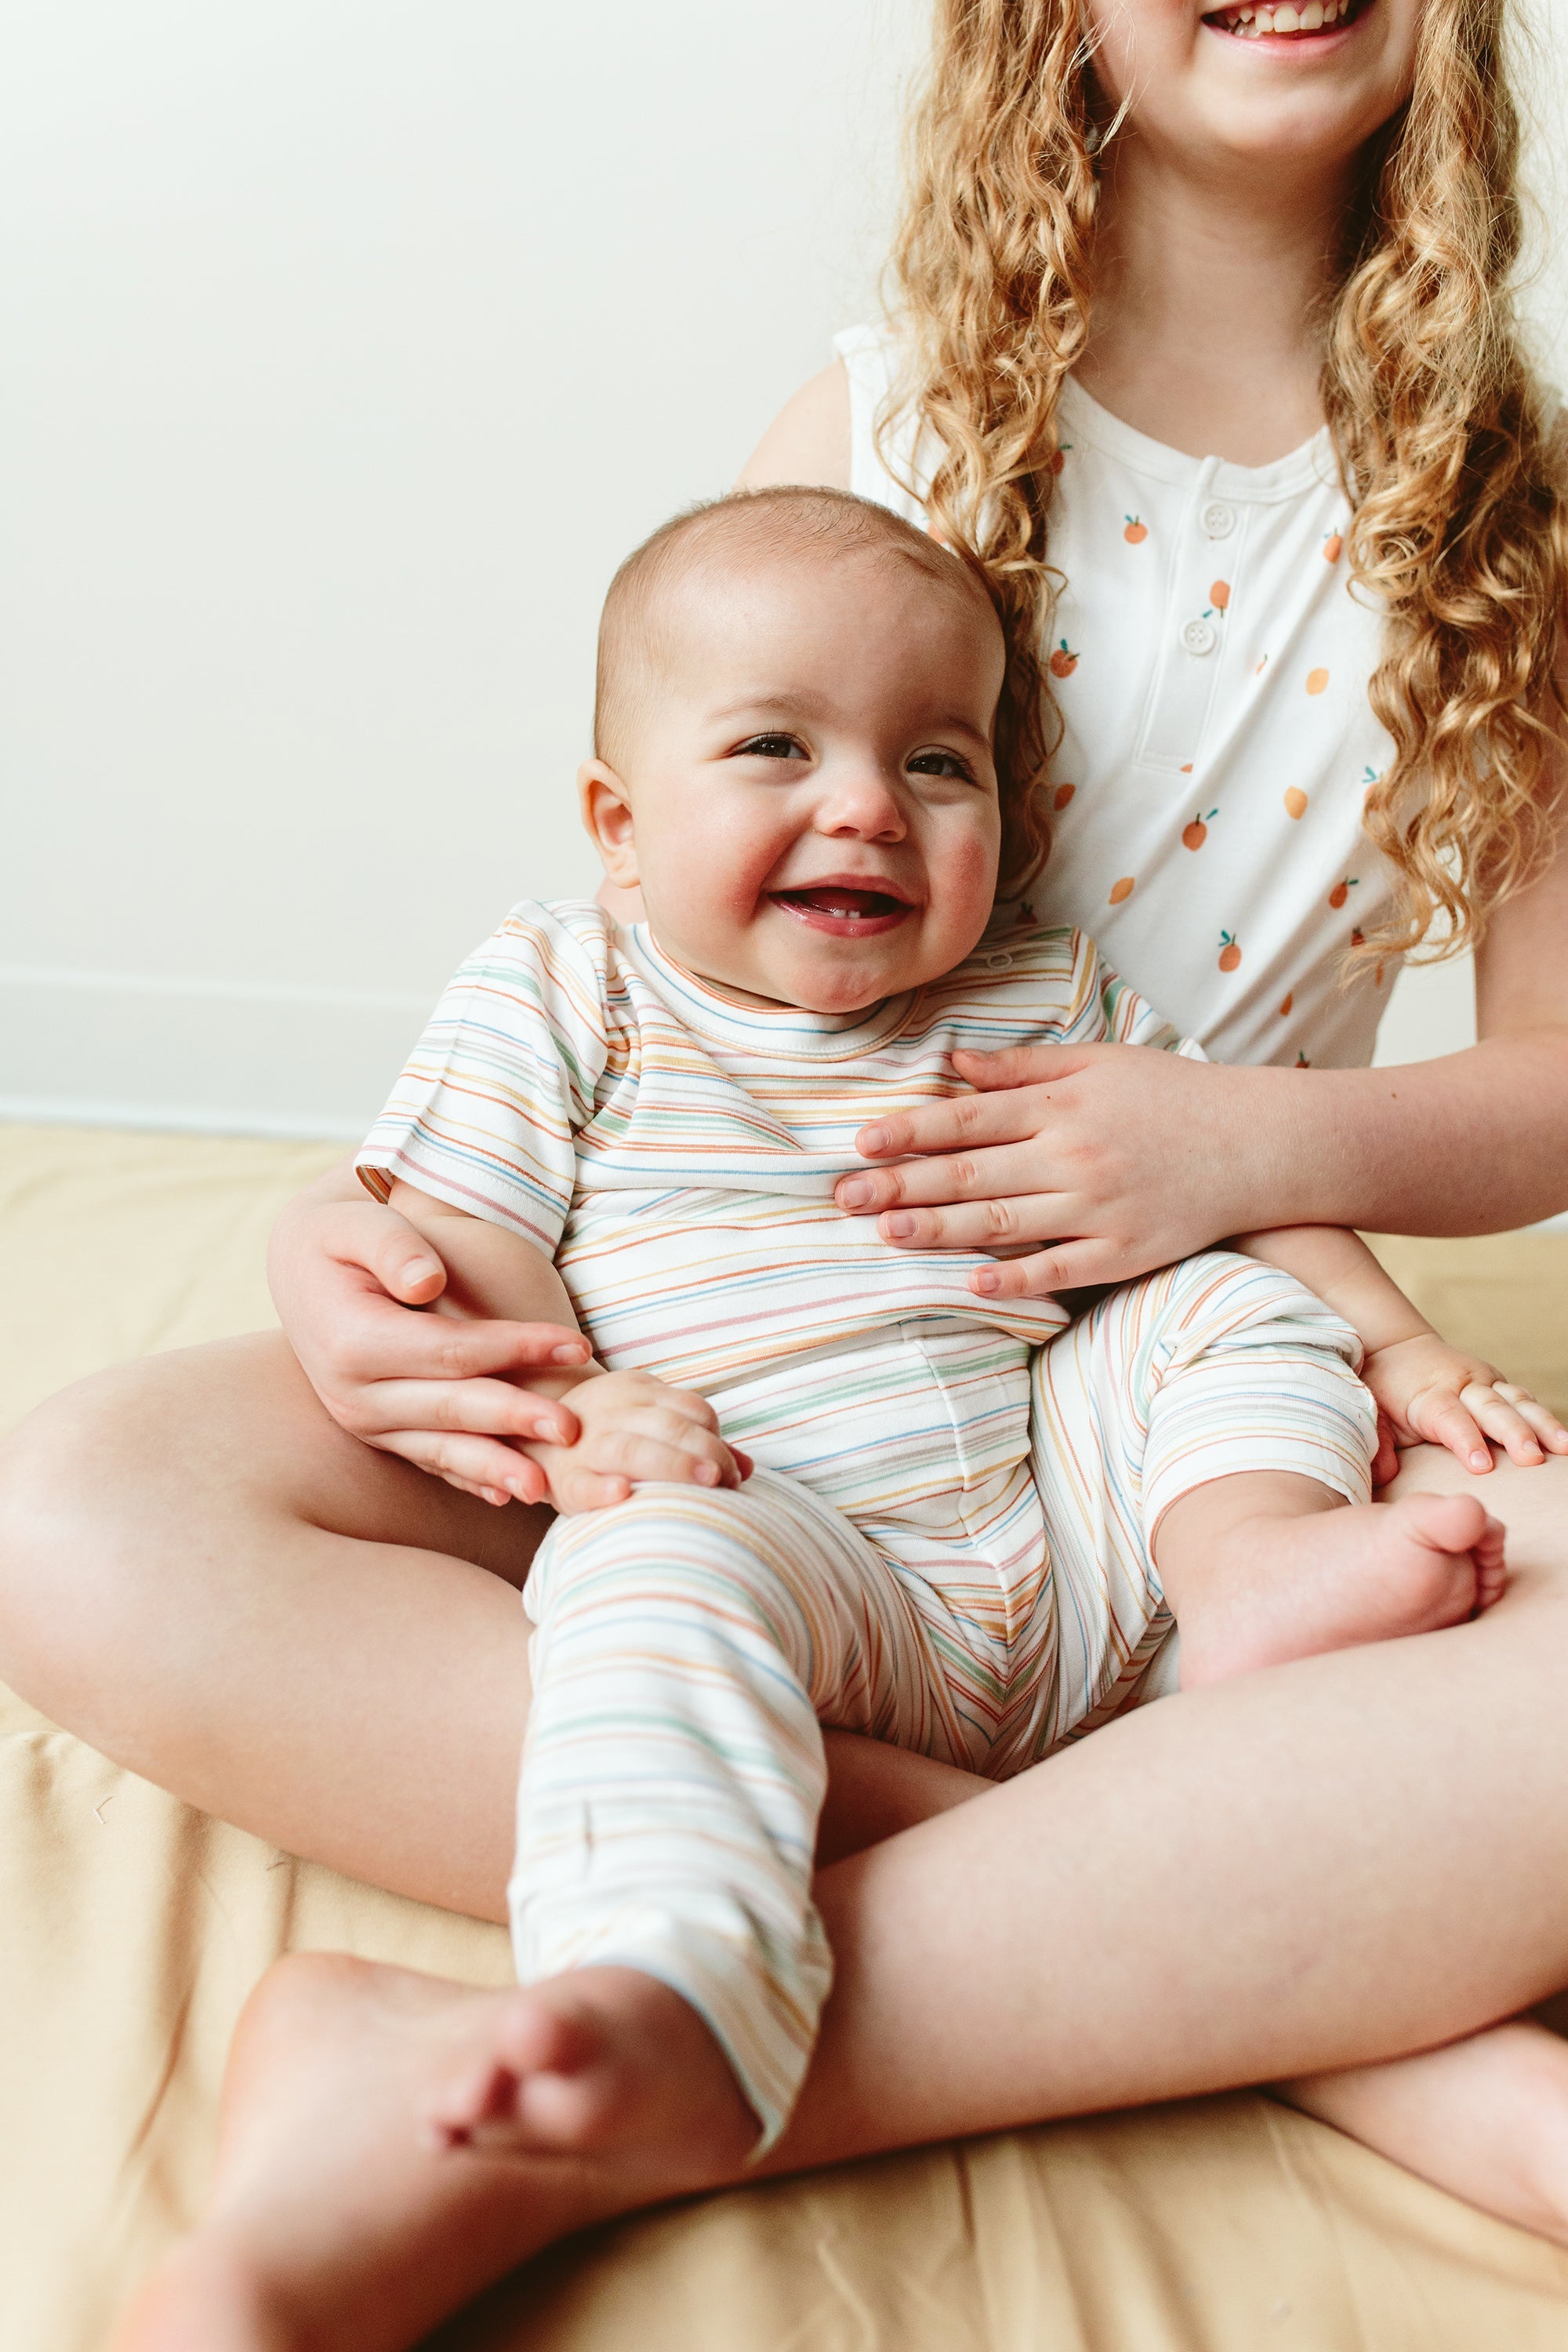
<point>946,1542</point>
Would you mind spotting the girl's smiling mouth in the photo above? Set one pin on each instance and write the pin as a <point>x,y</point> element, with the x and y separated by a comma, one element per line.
<point>1292,20</point>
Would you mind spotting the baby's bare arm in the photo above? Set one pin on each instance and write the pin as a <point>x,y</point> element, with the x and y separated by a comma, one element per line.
<point>624,1428</point>
<point>492,1275</point>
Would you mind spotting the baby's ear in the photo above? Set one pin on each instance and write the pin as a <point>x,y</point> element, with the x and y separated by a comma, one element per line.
<point>607,815</point>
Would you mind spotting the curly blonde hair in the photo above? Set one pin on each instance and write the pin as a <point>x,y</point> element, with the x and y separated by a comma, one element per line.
<point>1460,523</point>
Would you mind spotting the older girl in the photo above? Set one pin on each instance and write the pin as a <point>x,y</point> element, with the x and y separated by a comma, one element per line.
<point>1202,337</point>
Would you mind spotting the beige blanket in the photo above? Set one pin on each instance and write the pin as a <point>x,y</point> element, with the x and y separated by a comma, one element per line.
<point>132,1928</point>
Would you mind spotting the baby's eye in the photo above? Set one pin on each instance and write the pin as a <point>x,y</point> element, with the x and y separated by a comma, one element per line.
<point>939,763</point>
<point>772,746</point>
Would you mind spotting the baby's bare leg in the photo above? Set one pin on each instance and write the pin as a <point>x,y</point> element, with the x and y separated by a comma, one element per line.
<point>1269,1567</point>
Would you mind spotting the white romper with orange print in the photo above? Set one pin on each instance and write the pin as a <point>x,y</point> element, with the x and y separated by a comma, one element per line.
<point>1210,660</point>
<point>946,1542</point>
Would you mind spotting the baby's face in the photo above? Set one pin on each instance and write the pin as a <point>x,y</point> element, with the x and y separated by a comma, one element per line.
<point>809,802</point>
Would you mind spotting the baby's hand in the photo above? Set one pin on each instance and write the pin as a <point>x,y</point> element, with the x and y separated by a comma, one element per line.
<point>1434,1394</point>
<point>635,1429</point>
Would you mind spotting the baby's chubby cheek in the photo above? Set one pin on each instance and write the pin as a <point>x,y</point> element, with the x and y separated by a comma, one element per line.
<point>961,878</point>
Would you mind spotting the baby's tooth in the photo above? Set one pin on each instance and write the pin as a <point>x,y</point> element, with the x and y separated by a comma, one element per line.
<point>1286,19</point>
<point>1311,16</point>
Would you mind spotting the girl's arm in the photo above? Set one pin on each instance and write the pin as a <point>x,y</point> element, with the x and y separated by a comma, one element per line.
<point>399,1359</point>
<point>1127,1164</point>
<point>1119,1159</point>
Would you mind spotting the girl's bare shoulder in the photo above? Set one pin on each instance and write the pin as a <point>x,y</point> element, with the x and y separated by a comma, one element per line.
<point>809,440</point>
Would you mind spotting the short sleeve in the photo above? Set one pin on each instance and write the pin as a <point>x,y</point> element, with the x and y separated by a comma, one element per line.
<point>868,355</point>
<point>485,1112</point>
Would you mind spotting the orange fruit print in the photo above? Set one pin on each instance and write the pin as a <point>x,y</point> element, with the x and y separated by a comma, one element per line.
<point>1062,794</point>
<point>1063,662</point>
<point>1342,890</point>
<point>1136,532</point>
<point>1316,680</point>
<point>1230,953</point>
<point>1288,1000</point>
<point>1219,595</point>
<point>1193,836</point>
<point>1123,889</point>
<point>1333,548</point>
<point>1295,802</point>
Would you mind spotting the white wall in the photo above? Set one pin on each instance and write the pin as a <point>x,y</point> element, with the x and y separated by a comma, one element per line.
<point>349,343</point>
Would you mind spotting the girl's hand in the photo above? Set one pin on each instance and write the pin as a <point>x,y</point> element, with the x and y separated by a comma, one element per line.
<point>1121,1158</point>
<point>1430,1393</point>
<point>348,1277</point>
<point>634,1429</point>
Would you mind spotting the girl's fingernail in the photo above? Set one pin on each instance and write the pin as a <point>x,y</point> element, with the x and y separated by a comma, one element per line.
<point>874,1139</point>
<point>1480,1461</point>
<point>855,1194</point>
<point>420,1269</point>
<point>575,1352</point>
<point>707,1474</point>
<point>899,1227</point>
<point>987,1279</point>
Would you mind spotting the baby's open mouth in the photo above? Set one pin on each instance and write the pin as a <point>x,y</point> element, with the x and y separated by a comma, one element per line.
<point>1292,19</point>
<point>846,908</point>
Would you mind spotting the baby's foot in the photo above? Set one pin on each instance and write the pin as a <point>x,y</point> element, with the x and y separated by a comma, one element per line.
<point>599,2059</point>
<point>1332,1580</point>
<point>345,2214</point>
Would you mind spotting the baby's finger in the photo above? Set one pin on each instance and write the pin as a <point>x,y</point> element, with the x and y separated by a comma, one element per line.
<point>1553,1436</point>
<point>1437,1416</point>
<point>636,1450</point>
<point>476,1466</point>
<point>685,1406</point>
<point>579,1489</point>
<point>1503,1423</point>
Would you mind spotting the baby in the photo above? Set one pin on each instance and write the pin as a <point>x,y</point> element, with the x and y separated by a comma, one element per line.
<point>815,1479</point>
<point>819,1479</point>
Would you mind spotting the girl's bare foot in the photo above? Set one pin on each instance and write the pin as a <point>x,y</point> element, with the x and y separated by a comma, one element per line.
<point>1294,1588</point>
<point>344,2212</point>
<point>1486,2118</point>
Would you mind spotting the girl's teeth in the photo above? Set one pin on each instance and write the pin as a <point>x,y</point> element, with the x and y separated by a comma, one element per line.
<point>1250,21</point>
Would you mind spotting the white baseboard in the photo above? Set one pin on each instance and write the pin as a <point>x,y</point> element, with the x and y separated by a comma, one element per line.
<point>206,1057</point>
<point>209,1057</point>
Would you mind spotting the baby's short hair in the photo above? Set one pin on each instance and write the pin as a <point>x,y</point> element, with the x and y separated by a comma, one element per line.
<point>787,518</point>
